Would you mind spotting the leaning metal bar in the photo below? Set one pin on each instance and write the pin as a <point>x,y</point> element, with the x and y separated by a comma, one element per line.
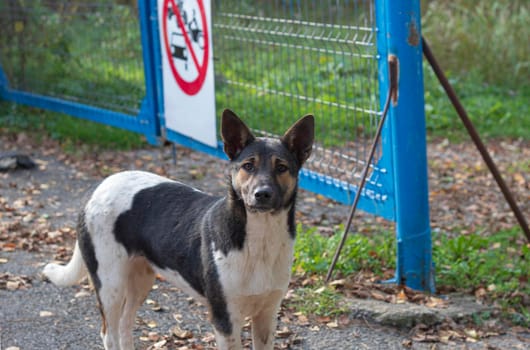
<point>475,137</point>
<point>399,34</point>
<point>391,92</point>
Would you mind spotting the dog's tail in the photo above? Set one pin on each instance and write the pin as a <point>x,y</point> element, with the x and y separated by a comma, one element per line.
<point>67,275</point>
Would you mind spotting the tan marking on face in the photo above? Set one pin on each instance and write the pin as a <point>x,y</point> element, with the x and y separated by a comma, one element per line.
<point>275,170</point>
<point>285,179</point>
<point>244,181</point>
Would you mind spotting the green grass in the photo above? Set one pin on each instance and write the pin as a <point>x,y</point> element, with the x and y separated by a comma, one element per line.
<point>82,53</point>
<point>313,252</point>
<point>498,263</point>
<point>102,66</point>
<point>318,300</point>
<point>71,132</point>
<point>495,111</point>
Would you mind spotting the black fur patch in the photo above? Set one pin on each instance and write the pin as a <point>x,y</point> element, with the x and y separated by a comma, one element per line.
<point>163,225</point>
<point>175,226</point>
<point>214,293</point>
<point>225,224</point>
<point>87,250</point>
<point>291,224</point>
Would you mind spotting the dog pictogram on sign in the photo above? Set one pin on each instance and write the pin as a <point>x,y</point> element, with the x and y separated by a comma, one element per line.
<point>185,36</point>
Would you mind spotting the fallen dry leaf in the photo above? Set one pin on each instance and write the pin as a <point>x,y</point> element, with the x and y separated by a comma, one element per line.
<point>208,338</point>
<point>435,302</point>
<point>160,344</point>
<point>401,297</point>
<point>181,333</point>
<point>284,332</point>
<point>153,336</point>
<point>82,294</point>
<point>14,282</point>
<point>332,324</point>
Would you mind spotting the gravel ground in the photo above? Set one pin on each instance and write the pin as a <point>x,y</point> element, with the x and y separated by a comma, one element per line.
<point>34,314</point>
<point>46,317</point>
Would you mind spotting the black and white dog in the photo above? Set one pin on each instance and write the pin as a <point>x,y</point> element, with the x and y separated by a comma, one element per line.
<point>232,253</point>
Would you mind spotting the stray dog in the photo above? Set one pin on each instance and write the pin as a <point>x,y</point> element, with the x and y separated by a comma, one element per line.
<point>232,253</point>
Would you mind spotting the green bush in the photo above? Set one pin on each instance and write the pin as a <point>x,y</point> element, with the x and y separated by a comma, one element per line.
<point>489,38</point>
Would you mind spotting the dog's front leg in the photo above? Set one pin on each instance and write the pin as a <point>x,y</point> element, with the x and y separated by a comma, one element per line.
<point>228,342</point>
<point>228,334</point>
<point>227,323</point>
<point>264,323</point>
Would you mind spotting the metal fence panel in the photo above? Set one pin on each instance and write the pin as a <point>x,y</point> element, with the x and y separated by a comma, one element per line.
<point>278,60</point>
<point>275,61</point>
<point>78,57</point>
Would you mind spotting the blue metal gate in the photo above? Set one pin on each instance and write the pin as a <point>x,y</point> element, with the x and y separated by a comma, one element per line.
<point>275,59</point>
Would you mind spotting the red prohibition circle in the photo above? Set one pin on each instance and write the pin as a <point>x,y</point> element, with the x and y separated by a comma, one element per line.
<point>189,87</point>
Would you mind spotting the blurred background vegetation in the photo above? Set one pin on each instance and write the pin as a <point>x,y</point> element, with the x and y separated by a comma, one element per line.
<point>482,45</point>
<point>485,39</point>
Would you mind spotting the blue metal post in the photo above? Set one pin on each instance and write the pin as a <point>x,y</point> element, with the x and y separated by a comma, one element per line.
<point>148,111</point>
<point>157,65</point>
<point>399,34</point>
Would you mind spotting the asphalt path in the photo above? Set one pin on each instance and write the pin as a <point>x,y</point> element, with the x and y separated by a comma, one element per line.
<point>38,315</point>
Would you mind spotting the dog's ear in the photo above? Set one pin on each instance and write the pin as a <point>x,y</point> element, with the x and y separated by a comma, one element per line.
<point>236,135</point>
<point>299,138</point>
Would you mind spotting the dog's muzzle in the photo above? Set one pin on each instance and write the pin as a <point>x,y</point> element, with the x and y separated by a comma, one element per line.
<point>263,198</point>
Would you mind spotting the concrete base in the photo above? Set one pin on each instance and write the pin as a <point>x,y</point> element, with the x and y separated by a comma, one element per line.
<point>408,315</point>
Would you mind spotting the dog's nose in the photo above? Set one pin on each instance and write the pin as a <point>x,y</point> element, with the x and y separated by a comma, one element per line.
<point>263,193</point>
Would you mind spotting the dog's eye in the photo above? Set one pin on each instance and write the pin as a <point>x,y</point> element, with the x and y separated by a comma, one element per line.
<point>249,167</point>
<point>281,168</point>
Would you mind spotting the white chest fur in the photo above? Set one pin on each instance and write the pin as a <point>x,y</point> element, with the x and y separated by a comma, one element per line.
<point>264,264</point>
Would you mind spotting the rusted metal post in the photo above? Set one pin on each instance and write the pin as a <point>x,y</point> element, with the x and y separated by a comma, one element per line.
<point>475,137</point>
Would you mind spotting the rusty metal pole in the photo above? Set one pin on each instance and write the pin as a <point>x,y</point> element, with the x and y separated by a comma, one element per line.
<point>475,137</point>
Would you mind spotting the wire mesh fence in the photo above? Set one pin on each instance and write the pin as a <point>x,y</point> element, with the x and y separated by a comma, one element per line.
<point>80,51</point>
<point>274,61</point>
<point>277,60</point>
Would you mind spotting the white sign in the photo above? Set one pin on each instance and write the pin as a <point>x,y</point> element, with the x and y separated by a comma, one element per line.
<point>187,68</point>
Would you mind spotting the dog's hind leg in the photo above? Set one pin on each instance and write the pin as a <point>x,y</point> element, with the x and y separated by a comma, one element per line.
<point>140,279</point>
<point>112,278</point>
<point>111,297</point>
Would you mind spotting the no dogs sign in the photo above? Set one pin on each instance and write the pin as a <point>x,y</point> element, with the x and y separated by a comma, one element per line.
<point>187,68</point>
